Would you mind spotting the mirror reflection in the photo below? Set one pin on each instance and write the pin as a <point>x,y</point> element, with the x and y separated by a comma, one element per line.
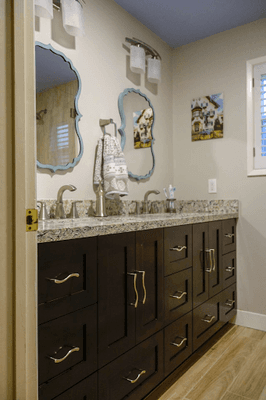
<point>137,116</point>
<point>59,144</point>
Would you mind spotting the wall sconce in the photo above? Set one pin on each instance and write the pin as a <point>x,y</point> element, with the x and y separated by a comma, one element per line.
<point>72,14</point>
<point>138,51</point>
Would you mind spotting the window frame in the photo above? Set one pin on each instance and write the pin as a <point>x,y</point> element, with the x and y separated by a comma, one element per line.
<point>251,134</point>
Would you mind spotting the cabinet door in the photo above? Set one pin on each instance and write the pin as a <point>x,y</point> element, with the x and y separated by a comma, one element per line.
<point>177,342</point>
<point>67,351</point>
<point>228,303</point>
<point>135,373</point>
<point>149,266</point>
<point>178,295</point>
<point>229,269</point>
<point>229,235</point>
<point>201,263</point>
<point>215,254</point>
<point>67,277</point>
<point>177,248</point>
<point>116,305</point>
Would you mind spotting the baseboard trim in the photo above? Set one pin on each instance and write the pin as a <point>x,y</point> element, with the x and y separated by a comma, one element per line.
<point>251,320</point>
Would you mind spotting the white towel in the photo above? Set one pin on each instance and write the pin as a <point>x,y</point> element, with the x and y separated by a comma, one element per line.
<point>110,166</point>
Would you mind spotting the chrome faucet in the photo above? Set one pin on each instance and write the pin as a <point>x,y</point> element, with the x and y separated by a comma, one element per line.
<point>59,208</point>
<point>145,203</point>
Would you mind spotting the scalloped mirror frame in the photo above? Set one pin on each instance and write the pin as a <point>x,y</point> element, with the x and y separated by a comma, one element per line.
<point>122,132</point>
<point>54,168</point>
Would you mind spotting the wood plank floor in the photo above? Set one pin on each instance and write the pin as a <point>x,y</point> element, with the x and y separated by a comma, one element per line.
<point>232,368</point>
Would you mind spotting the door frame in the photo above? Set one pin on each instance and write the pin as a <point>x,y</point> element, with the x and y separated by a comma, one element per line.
<point>24,162</point>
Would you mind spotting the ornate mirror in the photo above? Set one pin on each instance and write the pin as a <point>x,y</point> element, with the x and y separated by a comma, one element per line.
<point>58,86</point>
<point>136,130</point>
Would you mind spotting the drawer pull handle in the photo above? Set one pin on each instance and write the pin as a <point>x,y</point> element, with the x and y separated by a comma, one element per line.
<point>59,360</point>
<point>179,344</point>
<point>75,274</point>
<point>178,297</point>
<point>144,287</point>
<point>212,260</point>
<point>208,318</point>
<point>135,288</point>
<point>137,378</point>
<point>229,235</point>
<point>178,248</point>
<point>229,269</point>
<point>230,302</point>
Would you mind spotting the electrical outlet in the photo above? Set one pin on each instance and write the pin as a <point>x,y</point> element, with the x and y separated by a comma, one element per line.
<point>212,185</point>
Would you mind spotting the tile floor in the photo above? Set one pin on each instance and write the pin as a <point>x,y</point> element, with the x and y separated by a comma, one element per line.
<point>233,368</point>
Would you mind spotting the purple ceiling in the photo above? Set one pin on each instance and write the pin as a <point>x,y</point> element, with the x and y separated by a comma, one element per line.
<point>180,22</point>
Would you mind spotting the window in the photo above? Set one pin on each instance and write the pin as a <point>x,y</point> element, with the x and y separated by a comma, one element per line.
<point>256,116</point>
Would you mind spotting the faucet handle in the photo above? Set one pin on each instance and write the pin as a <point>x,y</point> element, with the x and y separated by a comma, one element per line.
<point>74,212</point>
<point>43,215</point>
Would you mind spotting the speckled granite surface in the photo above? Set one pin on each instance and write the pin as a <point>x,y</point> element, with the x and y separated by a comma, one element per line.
<point>188,212</point>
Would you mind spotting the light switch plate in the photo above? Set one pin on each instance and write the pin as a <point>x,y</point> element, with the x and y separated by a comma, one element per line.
<point>212,185</point>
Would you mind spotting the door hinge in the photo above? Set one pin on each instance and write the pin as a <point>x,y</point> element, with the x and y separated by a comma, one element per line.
<point>254,152</point>
<point>253,82</point>
<point>31,220</point>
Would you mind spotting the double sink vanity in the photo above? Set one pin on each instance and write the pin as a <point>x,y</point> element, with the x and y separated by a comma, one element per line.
<point>125,300</point>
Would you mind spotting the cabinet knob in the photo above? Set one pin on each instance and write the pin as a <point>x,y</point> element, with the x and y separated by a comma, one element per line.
<point>137,378</point>
<point>229,269</point>
<point>211,253</point>
<point>179,344</point>
<point>229,235</point>
<point>143,285</point>
<point>178,248</point>
<point>208,318</point>
<point>230,302</point>
<point>135,289</point>
<point>178,297</point>
<point>75,274</point>
<point>59,360</point>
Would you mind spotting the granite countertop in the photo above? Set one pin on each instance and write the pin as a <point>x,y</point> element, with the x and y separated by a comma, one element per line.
<point>57,230</point>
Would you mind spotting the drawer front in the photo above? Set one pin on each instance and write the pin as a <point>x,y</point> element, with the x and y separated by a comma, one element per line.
<point>178,295</point>
<point>177,342</point>
<point>84,390</point>
<point>228,303</point>
<point>229,269</point>
<point>67,277</point>
<point>206,320</point>
<point>72,339</point>
<point>229,235</point>
<point>135,373</point>
<point>177,248</point>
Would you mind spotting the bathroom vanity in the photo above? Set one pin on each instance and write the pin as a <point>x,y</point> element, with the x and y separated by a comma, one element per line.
<point>124,301</point>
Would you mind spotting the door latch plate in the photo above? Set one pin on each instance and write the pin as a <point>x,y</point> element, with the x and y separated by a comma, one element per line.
<point>31,220</point>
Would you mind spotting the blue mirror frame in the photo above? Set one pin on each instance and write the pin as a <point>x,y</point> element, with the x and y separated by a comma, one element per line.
<point>54,168</point>
<point>122,132</point>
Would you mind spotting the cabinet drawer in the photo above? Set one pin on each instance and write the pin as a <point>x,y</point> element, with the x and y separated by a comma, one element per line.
<point>228,303</point>
<point>58,339</point>
<point>178,295</point>
<point>177,342</point>
<point>143,365</point>
<point>206,320</point>
<point>229,235</point>
<point>229,269</point>
<point>177,248</point>
<point>60,292</point>
<point>84,390</point>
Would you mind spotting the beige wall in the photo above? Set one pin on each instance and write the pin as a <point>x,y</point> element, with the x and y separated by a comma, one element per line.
<point>214,65</point>
<point>101,59</point>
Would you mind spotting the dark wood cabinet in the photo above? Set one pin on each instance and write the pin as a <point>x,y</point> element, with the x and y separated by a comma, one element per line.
<point>119,313</point>
<point>67,277</point>
<point>135,373</point>
<point>117,297</point>
<point>130,287</point>
<point>207,259</point>
<point>149,267</point>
